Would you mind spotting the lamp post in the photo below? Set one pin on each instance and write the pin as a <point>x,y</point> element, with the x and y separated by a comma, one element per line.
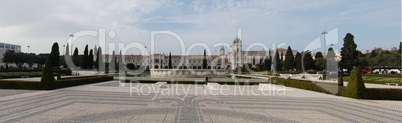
<point>323,33</point>
<point>28,48</point>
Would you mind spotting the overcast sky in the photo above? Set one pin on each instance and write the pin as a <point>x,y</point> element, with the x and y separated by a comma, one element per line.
<point>40,23</point>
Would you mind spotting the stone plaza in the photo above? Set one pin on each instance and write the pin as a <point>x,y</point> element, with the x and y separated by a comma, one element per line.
<point>113,101</point>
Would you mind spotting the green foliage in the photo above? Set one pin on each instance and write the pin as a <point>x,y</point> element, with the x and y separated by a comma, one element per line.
<point>170,60</point>
<point>331,63</point>
<point>298,61</point>
<point>55,55</point>
<point>266,64</point>
<point>355,87</point>
<point>375,93</point>
<point>112,63</point>
<point>90,59</point>
<point>289,62</point>
<point>131,66</point>
<point>302,84</point>
<point>320,63</point>
<point>349,53</point>
<point>308,62</point>
<point>61,83</point>
<point>85,58</point>
<point>276,61</point>
<point>47,79</point>
<point>204,61</point>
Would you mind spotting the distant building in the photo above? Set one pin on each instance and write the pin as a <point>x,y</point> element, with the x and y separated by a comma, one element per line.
<point>236,58</point>
<point>4,47</point>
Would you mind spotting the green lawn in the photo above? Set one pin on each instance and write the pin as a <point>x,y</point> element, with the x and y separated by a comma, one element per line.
<point>379,79</point>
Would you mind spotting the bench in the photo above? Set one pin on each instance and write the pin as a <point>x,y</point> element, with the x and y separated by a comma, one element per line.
<point>392,84</point>
<point>24,76</point>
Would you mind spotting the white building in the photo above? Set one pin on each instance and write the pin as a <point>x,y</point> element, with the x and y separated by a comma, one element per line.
<point>236,58</point>
<point>4,47</point>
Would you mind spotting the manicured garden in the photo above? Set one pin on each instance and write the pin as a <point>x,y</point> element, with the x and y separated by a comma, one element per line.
<point>354,89</point>
<point>379,78</point>
<point>48,81</point>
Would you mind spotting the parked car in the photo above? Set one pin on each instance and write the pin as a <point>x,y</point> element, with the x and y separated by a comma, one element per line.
<point>394,71</point>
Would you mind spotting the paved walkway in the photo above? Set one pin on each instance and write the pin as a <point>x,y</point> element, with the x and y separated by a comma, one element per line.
<point>113,102</point>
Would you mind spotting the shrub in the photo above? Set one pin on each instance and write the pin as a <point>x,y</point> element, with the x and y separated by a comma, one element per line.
<point>355,87</point>
<point>302,84</point>
<point>376,93</point>
<point>63,82</point>
<point>47,80</point>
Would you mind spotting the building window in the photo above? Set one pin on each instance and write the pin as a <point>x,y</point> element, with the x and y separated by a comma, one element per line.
<point>18,48</point>
<point>7,46</point>
<point>13,47</point>
<point>1,45</point>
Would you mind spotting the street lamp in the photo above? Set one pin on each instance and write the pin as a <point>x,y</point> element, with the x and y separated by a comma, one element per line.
<point>323,33</point>
<point>28,48</point>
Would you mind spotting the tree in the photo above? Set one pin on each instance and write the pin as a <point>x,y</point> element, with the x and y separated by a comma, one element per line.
<point>356,87</point>
<point>31,57</point>
<point>318,55</point>
<point>320,63</point>
<point>253,60</point>
<point>85,60</point>
<point>20,59</point>
<point>9,57</point>
<point>47,80</point>
<point>349,53</point>
<point>170,60</point>
<point>112,63</point>
<point>67,53</point>
<point>41,60</point>
<point>331,63</point>
<point>204,61</point>
<point>289,62</point>
<point>75,52</point>
<point>100,66</point>
<point>120,64</point>
<point>298,61</point>
<point>276,61</point>
<point>308,62</point>
<point>130,66</point>
<point>90,59</point>
<point>55,55</point>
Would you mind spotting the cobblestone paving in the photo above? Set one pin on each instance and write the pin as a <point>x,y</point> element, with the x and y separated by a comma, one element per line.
<point>102,103</point>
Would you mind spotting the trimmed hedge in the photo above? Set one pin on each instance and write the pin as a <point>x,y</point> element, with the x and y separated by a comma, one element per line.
<point>307,85</point>
<point>369,93</point>
<point>376,93</point>
<point>68,82</point>
<point>65,82</point>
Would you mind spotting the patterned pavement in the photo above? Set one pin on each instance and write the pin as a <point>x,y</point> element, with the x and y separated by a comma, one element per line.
<point>109,102</point>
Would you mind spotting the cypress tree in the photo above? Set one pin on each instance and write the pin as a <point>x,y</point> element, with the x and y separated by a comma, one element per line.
<point>349,53</point>
<point>298,61</point>
<point>289,61</point>
<point>55,56</point>
<point>112,63</point>
<point>308,62</point>
<point>90,59</point>
<point>47,80</point>
<point>276,61</point>
<point>356,87</point>
<point>85,60</point>
<point>204,61</point>
<point>170,60</point>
